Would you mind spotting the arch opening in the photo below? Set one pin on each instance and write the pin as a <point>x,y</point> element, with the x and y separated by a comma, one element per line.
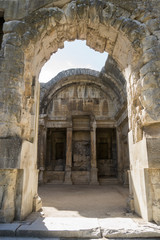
<point>105,26</point>
<point>51,35</point>
<point>80,117</point>
<point>75,54</point>
<point>84,102</point>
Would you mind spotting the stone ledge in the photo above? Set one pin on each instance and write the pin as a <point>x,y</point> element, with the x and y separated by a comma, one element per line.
<point>8,229</point>
<point>81,228</point>
<point>61,227</point>
<point>128,228</point>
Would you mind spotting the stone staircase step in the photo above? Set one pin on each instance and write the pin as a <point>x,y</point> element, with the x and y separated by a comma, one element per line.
<point>106,181</point>
<point>81,228</point>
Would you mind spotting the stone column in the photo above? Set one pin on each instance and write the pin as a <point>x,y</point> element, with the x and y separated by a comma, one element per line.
<point>94,170</point>
<point>42,152</point>
<point>130,200</point>
<point>119,155</point>
<point>67,179</point>
<point>48,152</point>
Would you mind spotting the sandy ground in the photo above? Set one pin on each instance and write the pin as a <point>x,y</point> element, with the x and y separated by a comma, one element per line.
<point>83,201</point>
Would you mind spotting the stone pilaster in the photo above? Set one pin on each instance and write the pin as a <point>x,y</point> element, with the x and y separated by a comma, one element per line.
<point>67,179</point>
<point>119,156</point>
<point>42,152</point>
<point>130,200</point>
<point>94,170</point>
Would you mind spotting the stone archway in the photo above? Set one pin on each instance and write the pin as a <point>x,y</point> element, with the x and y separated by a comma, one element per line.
<point>133,42</point>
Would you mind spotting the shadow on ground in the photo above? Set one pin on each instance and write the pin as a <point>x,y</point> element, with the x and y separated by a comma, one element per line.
<point>82,212</point>
<point>84,201</point>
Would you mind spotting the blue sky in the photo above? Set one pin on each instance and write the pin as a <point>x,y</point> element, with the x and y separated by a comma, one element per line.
<point>74,55</point>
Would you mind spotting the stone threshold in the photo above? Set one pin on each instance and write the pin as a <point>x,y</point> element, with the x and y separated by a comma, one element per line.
<point>81,228</point>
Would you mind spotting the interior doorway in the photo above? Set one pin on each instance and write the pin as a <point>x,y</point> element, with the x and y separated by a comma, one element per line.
<point>106,152</point>
<point>55,155</point>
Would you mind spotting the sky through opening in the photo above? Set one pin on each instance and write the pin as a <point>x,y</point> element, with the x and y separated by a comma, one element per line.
<point>74,55</point>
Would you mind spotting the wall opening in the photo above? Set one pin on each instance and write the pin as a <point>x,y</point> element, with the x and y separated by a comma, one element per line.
<point>106,153</point>
<point>87,106</point>
<point>1,27</point>
<point>74,55</point>
<point>55,155</point>
<point>106,26</point>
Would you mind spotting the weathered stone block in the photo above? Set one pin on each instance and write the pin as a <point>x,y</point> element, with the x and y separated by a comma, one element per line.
<point>58,15</point>
<point>8,179</point>
<point>70,12</point>
<point>154,192</point>
<point>80,177</point>
<point>107,12</point>
<point>153,152</point>
<point>14,26</point>
<point>37,203</point>
<point>53,176</point>
<point>153,24</point>
<point>149,42</point>
<point>10,148</point>
<point>82,11</point>
<point>12,39</point>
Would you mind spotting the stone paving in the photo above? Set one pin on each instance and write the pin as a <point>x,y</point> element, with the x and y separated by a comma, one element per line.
<point>61,224</point>
<point>81,228</point>
<point>29,238</point>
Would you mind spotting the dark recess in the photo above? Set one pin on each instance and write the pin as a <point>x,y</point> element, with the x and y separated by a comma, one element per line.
<point>1,27</point>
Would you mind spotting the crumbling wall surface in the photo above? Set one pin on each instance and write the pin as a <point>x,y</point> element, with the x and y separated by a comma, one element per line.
<point>128,30</point>
<point>153,178</point>
<point>129,34</point>
<point>10,185</point>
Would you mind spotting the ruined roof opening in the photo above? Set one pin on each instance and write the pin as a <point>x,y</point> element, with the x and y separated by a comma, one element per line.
<point>74,55</point>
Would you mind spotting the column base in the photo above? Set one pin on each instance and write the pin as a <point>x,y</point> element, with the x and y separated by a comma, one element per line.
<point>93,176</point>
<point>40,176</point>
<point>94,183</point>
<point>67,177</point>
<point>37,203</point>
<point>130,204</point>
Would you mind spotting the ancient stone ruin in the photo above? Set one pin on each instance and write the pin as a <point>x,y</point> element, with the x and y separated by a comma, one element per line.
<point>83,116</point>
<point>82,112</point>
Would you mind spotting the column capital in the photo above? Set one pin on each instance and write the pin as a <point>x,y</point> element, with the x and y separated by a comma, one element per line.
<point>118,128</point>
<point>93,128</point>
<point>93,125</point>
<point>69,129</point>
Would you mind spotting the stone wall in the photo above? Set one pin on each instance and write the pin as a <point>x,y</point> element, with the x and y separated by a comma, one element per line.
<point>10,196</point>
<point>82,98</point>
<point>104,84</point>
<point>113,26</point>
